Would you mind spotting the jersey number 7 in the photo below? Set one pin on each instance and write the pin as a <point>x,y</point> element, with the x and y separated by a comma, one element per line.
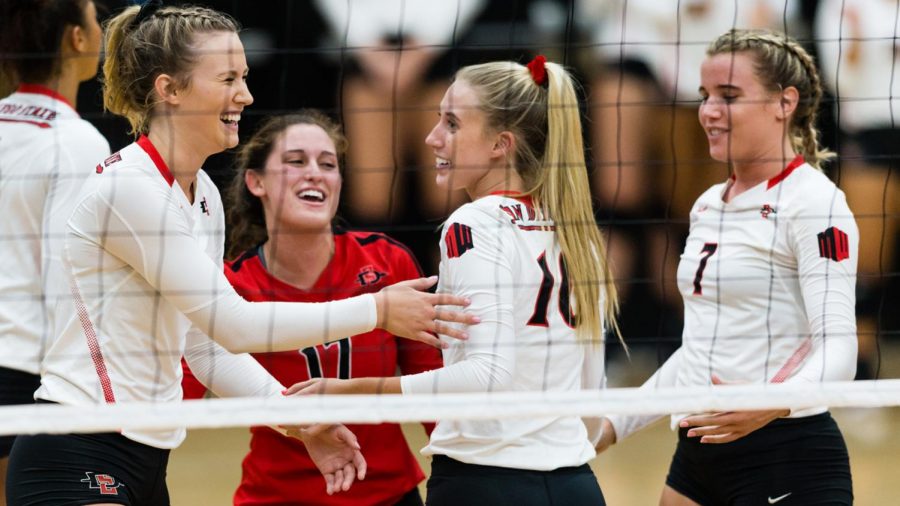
<point>707,251</point>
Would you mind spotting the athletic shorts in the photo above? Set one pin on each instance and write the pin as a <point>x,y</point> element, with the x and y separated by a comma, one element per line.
<point>16,387</point>
<point>789,462</point>
<point>73,469</point>
<point>453,483</point>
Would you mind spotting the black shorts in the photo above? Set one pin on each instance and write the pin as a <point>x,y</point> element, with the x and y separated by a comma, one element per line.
<point>453,482</point>
<point>791,461</point>
<point>16,387</point>
<point>73,469</point>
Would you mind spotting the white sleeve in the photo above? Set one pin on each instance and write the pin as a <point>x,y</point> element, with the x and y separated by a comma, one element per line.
<point>73,165</point>
<point>626,425</point>
<point>143,227</point>
<point>593,377</point>
<point>825,240</point>
<point>484,275</point>
<point>227,374</point>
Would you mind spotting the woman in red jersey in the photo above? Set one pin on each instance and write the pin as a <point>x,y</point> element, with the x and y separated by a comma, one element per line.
<point>285,246</point>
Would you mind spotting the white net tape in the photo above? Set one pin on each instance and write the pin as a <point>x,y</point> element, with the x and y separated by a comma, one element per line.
<point>242,412</point>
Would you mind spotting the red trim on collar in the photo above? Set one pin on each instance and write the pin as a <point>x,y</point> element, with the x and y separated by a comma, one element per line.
<point>144,142</point>
<point>525,199</point>
<point>40,89</point>
<point>796,162</point>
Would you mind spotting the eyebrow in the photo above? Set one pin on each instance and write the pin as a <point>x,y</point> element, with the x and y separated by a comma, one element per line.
<point>453,117</point>
<point>232,72</point>
<point>303,152</point>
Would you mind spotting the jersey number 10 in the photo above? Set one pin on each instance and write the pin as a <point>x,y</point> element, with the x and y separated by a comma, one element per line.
<point>541,305</point>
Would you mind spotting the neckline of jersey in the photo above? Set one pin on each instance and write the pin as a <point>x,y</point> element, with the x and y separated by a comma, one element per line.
<point>525,199</point>
<point>791,167</point>
<point>40,89</point>
<point>148,147</point>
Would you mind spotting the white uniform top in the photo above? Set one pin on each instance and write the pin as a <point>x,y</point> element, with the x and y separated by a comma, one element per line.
<point>868,85</point>
<point>141,275</point>
<point>768,281</point>
<point>46,152</point>
<point>506,260</point>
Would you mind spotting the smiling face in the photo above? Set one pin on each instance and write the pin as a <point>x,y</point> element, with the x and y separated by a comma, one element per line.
<point>300,186</point>
<point>464,150</point>
<point>744,122</point>
<point>209,107</point>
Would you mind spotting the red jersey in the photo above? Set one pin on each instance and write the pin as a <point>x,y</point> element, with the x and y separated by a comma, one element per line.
<point>278,470</point>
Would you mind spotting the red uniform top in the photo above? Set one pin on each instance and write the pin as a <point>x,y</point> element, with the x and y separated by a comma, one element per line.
<point>277,470</point>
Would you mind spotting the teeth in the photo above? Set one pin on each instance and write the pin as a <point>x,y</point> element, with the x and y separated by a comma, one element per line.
<point>315,194</point>
<point>716,131</point>
<point>442,162</point>
<point>230,118</point>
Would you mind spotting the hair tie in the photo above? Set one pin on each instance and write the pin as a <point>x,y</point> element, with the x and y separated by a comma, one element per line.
<point>147,10</point>
<point>538,69</point>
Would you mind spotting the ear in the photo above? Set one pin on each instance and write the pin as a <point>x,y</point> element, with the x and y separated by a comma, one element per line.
<point>790,97</point>
<point>77,38</point>
<point>253,180</point>
<point>504,145</point>
<point>167,89</point>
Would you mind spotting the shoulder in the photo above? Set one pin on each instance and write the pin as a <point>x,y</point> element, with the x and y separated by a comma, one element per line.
<point>810,193</point>
<point>373,243</point>
<point>244,266</point>
<point>493,210</point>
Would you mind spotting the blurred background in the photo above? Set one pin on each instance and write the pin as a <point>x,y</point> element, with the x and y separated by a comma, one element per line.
<point>638,62</point>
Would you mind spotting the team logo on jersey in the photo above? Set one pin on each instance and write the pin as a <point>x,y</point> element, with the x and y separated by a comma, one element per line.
<point>834,244</point>
<point>115,157</point>
<point>369,276</point>
<point>766,210</point>
<point>106,484</point>
<point>458,240</point>
<point>204,206</point>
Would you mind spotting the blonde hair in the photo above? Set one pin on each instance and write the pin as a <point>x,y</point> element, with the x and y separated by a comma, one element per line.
<point>138,52</point>
<point>782,62</point>
<point>549,157</point>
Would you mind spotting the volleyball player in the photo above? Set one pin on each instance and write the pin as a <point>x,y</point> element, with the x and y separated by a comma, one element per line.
<point>768,276</point>
<point>283,199</point>
<point>141,254</point>
<point>528,253</point>
<point>46,152</point>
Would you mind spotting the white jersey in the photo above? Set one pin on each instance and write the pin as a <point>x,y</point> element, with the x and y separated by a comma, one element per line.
<point>139,258</point>
<point>500,254</point>
<point>46,152</point>
<point>768,281</point>
<point>858,53</point>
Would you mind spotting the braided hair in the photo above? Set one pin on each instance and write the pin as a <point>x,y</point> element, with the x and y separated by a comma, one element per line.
<point>139,50</point>
<point>781,62</point>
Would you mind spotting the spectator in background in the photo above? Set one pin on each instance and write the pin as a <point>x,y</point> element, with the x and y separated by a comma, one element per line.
<point>390,97</point>
<point>859,54</point>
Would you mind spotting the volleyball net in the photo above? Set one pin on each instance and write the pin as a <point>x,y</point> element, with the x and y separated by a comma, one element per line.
<point>638,61</point>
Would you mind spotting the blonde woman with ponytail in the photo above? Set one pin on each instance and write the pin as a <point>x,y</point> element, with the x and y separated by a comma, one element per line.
<point>143,256</point>
<point>768,278</point>
<point>528,254</point>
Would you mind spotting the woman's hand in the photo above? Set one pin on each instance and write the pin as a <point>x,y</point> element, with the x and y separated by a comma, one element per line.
<point>390,385</point>
<point>335,452</point>
<point>406,310</point>
<point>729,426</point>
<point>607,435</point>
